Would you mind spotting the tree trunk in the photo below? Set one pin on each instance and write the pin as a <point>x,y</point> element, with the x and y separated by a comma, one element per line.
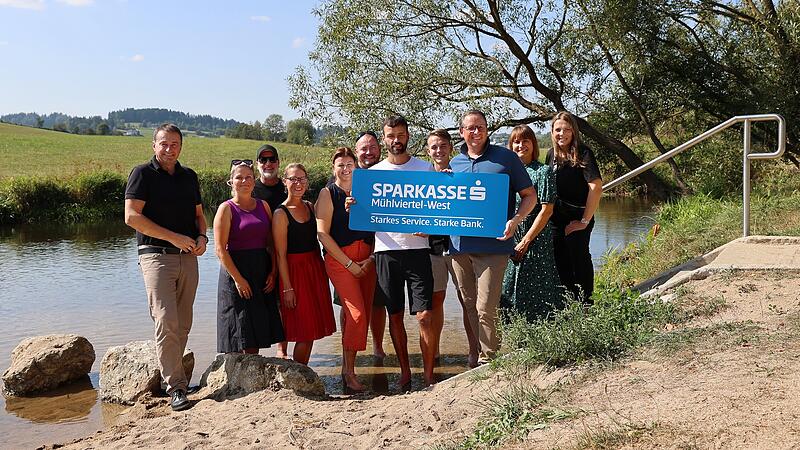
<point>656,188</point>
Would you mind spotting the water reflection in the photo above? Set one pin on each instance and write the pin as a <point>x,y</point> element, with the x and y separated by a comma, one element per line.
<point>84,279</point>
<point>68,403</point>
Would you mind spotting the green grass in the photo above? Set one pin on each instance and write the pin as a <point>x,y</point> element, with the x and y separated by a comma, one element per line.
<point>695,225</point>
<point>47,175</point>
<point>27,151</point>
<point>509,416</point>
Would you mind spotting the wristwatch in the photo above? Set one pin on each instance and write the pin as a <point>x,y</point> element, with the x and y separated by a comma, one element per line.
<point>585,221</point>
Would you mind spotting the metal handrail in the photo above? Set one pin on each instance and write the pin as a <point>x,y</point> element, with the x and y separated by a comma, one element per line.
<point>748,120</point>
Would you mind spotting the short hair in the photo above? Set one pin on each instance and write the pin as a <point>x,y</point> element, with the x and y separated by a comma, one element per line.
<point>395,121</point>
<point>472,112</point>
<point>571,154</point>
<point>168,128</point>
<point>441,133</point>
<point>521,133</point>
<point>343,152</point>
<point>294,166</point>
<point>367,133</point>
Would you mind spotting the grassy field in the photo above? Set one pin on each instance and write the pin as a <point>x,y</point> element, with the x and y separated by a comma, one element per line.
<point>27,151</point>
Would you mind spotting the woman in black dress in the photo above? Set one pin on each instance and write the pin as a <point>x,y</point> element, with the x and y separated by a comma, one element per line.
<point>578,188</point>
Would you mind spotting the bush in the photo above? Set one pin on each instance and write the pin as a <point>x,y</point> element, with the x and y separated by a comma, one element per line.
<point>99,187</point>
<point>615,323</point>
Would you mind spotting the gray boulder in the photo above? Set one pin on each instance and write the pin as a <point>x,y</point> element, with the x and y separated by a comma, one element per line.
<point>43,363</point>
<point>236,375</point>
<point>128,371</point>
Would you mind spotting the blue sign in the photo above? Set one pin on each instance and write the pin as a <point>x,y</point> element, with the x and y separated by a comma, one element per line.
<point>463,204</point>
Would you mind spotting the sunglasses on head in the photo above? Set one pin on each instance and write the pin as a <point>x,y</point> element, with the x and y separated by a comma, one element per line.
<point>266,159</point>
<point>240,162</point>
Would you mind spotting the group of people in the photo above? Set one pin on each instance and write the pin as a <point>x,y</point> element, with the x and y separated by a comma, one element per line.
<point>273,284</point>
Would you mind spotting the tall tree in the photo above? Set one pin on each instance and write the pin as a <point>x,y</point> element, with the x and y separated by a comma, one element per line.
<point>300,131</point>
<point>274,128</point>
<point>522,60</point>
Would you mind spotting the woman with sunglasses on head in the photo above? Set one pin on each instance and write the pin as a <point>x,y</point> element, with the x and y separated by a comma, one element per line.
<point>247,307</point>
<point>347,261</point>
<point>305,297</point>
<point>530,284</point>
<point>578,188</point>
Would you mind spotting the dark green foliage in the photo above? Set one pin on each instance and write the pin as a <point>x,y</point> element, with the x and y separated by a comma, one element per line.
<point>615,323</point>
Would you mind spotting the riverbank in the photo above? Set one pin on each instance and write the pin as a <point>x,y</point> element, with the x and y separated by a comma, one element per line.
<point>627,372</point>
<point>719,379</point>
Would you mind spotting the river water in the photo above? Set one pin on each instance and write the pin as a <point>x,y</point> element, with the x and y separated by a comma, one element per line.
<point>83,279</point>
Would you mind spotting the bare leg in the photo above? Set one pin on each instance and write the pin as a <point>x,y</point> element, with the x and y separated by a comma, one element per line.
<point>250,351</point>
<point>397,331</point>
<point>428,339</point>
<point>350,378</point>
<point>282,352</point>
<point>437,320</point>
<point>377,324</point>
<point>302,351</point>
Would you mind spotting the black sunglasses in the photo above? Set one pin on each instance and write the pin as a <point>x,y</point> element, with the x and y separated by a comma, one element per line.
<point>368,132</point>
<point>238,162</point>
<point>266,159</point>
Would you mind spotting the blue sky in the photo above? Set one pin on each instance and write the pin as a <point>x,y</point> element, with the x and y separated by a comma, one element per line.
<point>229,59</point>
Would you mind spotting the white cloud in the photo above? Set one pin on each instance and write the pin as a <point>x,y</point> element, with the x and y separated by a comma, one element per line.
<point>137,58</point>
<point>76,2</point>
<point>24,4</point>
<point>298,42</point>
<point>261,18</point>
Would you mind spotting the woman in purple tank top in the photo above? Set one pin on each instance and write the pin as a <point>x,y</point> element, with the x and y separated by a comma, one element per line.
<point>248,317</point>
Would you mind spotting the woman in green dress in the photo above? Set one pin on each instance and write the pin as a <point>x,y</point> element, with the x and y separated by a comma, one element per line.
<point>530,284</point>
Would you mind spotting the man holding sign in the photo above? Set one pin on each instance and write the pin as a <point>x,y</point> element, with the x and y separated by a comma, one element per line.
<point>480,262</point>
<point>402,258</point>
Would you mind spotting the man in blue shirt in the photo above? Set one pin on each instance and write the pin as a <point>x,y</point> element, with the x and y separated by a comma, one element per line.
<point>479,262</point>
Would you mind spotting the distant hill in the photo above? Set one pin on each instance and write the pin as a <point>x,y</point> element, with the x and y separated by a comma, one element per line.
<point>119,121</point>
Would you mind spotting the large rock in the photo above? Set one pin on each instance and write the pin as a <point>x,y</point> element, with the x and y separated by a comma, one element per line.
<point>236,375</point>
<point>43,363</point>
<point>130,370</point>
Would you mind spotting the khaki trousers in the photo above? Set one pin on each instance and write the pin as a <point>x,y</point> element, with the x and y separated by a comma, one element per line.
<point>479,277</point>
<point>171,283</point>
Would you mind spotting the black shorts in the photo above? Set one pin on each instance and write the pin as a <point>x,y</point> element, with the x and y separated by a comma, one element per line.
<point>396,268</point>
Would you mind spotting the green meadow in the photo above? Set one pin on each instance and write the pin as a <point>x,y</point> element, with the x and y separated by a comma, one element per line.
<point>54,176</point>
<point>37,152</point>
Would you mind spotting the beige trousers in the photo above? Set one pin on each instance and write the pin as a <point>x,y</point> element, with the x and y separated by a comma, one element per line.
<point>171,283</point>
<point>479,277</point>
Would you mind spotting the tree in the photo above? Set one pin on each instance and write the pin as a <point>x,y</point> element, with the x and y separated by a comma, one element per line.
<point>300,131</point>
<point>103,129</point>
<point>274,128</point>
<point>521,61</point>
<point>39,121</point>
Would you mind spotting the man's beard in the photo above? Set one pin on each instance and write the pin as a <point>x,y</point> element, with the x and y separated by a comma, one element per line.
<point>397,149</point>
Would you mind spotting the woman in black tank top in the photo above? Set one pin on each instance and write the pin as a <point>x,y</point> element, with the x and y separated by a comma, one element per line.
<point>347,262</point>
<point>306,307</point>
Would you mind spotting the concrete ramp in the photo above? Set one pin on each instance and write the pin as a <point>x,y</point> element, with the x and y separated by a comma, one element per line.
<point>747,253</point>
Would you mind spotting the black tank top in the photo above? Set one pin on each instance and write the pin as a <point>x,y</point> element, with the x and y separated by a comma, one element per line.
<point>340,228</point>
<point>301,237</point>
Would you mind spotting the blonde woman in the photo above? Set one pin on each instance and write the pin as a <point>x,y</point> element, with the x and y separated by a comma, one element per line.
<point>578,187</point>
<point>247,308</point>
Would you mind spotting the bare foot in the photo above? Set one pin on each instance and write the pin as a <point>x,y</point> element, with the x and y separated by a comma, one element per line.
<point>352,383</point>
<point>282,355</point>
<point>473,360</point>
<point>430,381</point>
<point>405,381</point>
<point>379,353</point>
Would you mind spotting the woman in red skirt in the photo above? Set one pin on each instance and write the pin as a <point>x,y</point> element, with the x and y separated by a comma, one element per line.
<point>306,307</point>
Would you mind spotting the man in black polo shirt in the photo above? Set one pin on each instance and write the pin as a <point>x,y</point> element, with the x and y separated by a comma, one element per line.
<point>162,203</point>
<point>268,185</point>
